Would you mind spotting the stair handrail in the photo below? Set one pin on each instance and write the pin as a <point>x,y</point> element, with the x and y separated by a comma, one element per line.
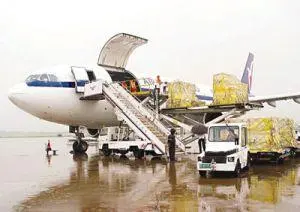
<point>160,126</point>
<point>152,135</point>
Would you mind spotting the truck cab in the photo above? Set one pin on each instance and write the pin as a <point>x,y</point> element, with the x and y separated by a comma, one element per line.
<point>226,149</point>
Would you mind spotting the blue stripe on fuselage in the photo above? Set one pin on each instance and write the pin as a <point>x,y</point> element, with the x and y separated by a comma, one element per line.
<point>38,83</point>
<point>205,98</point>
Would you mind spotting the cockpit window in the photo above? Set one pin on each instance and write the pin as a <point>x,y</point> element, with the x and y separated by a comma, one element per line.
<point>53,78</point>
<point>44,77</point>
<point>33,78</point>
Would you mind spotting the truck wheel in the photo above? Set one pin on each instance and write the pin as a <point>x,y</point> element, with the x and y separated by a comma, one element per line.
<point>279,161</point>
<point>237,170</point>
<point>139,154</point>
<point>202,173</point>
<point>293,153</point>
<point>248,163</point>
<point>106,152</point>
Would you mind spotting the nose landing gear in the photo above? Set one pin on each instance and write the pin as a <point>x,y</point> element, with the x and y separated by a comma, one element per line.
<point>80,146</point>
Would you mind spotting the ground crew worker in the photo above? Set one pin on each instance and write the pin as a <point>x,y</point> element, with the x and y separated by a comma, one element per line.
<point>164,87</point>
<point>171,144</point>
<point>158,81</point>
<point>201,143</point>
<point>48,148</point>
<point>133,88</point>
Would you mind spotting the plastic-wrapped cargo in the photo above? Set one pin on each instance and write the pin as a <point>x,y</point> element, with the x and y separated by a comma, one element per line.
<point>269,134</point>
<point>182,94</point>
<point>227,89</point>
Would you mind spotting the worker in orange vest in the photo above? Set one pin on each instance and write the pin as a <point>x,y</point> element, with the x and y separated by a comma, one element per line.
<point>48,148</point>
<point>158,81</point>
<point>133,88</point>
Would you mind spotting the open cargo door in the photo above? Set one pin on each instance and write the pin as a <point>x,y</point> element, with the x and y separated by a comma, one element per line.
<point>81,78</point>
<point>115,54</point>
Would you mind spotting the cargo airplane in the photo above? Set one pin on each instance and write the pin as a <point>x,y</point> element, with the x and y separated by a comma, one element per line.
<point>55,94</point>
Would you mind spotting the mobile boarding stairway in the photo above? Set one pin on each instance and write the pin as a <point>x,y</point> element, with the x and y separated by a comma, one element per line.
<point>141,119</point>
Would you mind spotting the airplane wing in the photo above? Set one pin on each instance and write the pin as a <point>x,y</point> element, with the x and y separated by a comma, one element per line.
<point>271,100</point>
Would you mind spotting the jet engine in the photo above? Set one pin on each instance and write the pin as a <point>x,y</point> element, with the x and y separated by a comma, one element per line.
<point>93,132</point>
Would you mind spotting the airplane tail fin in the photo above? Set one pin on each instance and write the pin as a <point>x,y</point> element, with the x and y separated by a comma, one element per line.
<point>248,72</point>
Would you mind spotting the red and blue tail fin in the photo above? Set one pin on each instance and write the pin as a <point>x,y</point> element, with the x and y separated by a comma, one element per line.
<point>248,72</point>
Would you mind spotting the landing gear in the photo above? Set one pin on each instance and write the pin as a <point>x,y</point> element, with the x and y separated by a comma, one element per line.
<point>80,146</point>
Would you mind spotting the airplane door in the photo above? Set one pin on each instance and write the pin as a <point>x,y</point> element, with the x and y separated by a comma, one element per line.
<point>81,78</point>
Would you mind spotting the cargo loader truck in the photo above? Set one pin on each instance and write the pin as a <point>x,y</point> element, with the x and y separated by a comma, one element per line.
<point>226,149</point>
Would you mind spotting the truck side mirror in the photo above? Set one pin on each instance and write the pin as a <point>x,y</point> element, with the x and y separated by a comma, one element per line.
<point>236,141</point>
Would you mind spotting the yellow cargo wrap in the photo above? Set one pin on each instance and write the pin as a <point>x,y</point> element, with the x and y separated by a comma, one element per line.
<point>271,185</point>
<point>182,94</point>
<point>227,89</point>
<point>269,134</point>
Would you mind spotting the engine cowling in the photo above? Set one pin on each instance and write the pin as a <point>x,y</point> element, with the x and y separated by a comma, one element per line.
<point>93,132</point>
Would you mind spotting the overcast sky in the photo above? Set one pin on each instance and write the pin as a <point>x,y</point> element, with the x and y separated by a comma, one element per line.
<point>189,40</point>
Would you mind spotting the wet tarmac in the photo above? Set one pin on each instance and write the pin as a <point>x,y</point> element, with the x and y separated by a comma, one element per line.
<point>31,181</point>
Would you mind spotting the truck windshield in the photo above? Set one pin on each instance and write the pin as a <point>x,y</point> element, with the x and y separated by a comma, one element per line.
<point>223,133</point>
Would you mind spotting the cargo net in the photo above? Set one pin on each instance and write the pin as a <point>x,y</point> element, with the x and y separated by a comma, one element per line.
<point>182,94</point>
<point>227,89</point>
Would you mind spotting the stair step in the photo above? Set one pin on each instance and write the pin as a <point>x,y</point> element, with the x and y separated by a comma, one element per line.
<point>129,104</point>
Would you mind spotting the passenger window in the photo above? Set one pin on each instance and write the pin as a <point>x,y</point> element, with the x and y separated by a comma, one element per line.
<point>44,77</point>
<point>244,136</point>
<point>53,78</point>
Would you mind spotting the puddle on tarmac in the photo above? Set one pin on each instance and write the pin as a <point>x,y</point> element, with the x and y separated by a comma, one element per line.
<point>94,183</point>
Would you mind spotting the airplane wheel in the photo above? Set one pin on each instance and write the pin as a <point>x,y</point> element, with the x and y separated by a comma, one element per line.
<point>80,147</point>
<point>84,146</point>
<point>75,146</point>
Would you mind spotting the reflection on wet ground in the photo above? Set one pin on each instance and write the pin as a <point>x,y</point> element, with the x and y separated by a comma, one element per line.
<point>96,183</point>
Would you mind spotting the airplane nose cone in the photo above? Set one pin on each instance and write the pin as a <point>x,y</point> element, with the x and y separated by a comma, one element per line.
<point>16,92</point>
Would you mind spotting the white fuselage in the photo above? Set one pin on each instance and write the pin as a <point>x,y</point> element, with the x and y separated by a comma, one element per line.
<point>61,104</point>
<point>56,99</point>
